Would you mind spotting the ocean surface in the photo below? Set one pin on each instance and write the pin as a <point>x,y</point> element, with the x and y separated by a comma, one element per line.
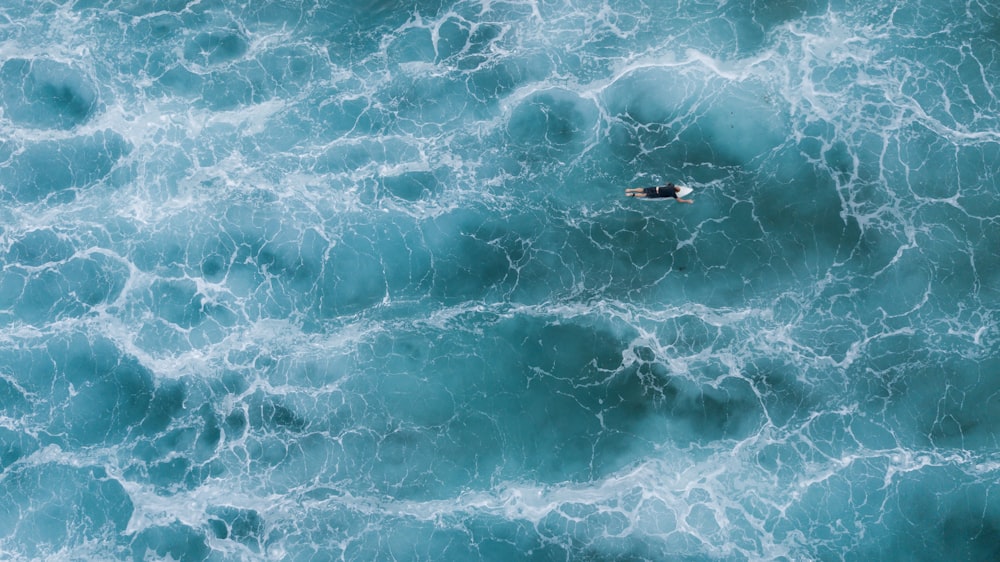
<point>343,280</point>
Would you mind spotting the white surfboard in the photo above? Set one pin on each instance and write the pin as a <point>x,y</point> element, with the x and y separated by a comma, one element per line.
<point>685,190</point>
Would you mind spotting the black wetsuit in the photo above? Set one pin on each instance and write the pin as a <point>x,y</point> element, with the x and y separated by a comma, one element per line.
<point>661,191</point>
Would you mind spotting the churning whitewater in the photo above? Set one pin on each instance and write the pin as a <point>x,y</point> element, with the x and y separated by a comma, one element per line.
<point>344,280</point>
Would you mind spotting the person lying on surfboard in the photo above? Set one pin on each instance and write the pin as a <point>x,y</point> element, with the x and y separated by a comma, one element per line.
<point>669,190</point>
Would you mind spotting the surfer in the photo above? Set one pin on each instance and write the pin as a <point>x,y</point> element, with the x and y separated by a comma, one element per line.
<point>669,190</point>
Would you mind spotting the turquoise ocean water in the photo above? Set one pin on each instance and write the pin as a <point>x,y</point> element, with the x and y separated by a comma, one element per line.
<point>340,280</point>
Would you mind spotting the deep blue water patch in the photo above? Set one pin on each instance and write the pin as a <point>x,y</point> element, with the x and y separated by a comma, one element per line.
<point>42,93</point>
